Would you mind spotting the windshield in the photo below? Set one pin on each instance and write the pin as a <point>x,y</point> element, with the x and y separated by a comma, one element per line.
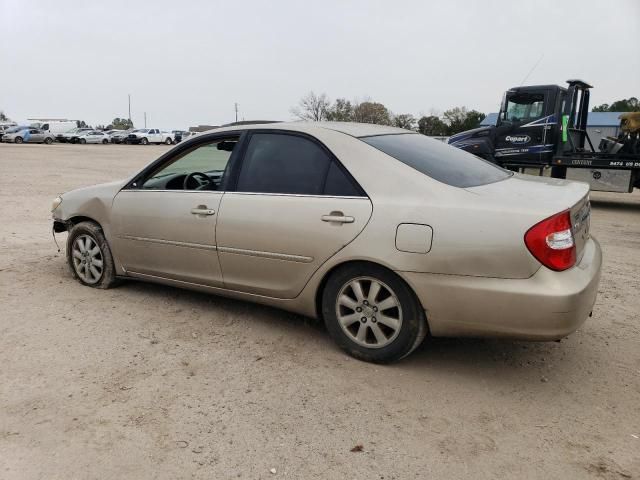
<point>15,129</point>
<point>437,160</point>
<point>524,107</point>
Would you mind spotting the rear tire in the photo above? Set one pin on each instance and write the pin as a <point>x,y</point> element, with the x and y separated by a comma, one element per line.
<point>144,141</point>
<point>18,140</point>
<point>48,141</point>
<point>372,314</point>
<point>168,141</point>
<point>89,256</point>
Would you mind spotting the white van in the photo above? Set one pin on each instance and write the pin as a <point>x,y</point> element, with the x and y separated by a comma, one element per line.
<point>54,126</point>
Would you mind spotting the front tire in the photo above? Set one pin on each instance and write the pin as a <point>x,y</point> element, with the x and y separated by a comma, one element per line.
<point>105,141</point>
<point>48,141</point>
<point>18,140</point>
<point>144,141</point>
<point>372,313</point>
<point>89,256</point>
<point>82,141</point>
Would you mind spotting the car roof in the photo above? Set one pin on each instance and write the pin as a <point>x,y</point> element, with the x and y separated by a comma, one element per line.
<point>357,130</point>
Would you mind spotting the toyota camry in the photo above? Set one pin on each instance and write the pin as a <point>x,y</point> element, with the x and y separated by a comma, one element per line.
<point>384,234</point>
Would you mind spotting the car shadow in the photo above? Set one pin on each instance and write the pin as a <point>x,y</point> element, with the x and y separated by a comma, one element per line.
<point>471,357</point>
<point>615,205</point>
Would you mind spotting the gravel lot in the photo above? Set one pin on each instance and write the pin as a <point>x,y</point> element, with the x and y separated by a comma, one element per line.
<point>146,381</point>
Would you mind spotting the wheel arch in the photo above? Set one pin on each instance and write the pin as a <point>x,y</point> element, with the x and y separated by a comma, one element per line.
<point>325,278</point>
<point>76,219</point>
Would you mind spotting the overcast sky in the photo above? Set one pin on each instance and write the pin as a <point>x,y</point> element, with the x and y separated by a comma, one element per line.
<point>186,63</point>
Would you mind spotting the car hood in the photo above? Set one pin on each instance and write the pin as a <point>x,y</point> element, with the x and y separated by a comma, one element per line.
<point>459,137</point>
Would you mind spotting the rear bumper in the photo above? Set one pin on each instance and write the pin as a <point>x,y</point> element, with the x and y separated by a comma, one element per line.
<point>547,306</point>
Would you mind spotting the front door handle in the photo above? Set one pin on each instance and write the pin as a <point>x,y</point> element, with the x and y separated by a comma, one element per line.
<point>337,217</point>
<point>202,210</point>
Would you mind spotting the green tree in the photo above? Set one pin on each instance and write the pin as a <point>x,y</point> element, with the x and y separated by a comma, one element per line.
<point>340,111</point>
<point>626,105</point>
<point>120,124</point>
<point>404,120</point>
<point>82,124</point>
<point>432,126</point>
<point>460,119</point>
<point>371,112</point>
<point>312,107</point>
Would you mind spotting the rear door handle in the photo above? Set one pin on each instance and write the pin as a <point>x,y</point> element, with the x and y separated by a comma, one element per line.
<point>337,217</point>
<point>202,210</point>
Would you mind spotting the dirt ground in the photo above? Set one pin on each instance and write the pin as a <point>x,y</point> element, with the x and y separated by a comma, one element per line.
<point>146,381</point>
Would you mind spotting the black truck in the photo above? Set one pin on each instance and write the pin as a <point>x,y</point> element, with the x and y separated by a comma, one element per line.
<point>543,129</point>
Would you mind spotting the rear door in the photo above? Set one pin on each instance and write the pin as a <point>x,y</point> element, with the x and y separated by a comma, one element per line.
<point>294,206</point>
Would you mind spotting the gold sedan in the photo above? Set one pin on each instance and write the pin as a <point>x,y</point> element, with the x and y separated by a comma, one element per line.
<point>385,234</point>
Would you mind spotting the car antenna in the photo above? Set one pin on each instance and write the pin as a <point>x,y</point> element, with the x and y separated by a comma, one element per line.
<point>532,69</point>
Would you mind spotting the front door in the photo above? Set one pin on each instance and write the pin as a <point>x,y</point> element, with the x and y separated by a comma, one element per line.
<point>35,136</point>
<point>520,136</point>
<point>164,223</point>
<point>294,207</point>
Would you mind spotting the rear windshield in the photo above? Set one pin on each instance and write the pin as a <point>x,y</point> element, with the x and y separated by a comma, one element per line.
<point>438,160</point>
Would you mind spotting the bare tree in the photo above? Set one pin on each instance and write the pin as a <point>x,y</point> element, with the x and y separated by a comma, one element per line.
<point>3,117</point>
<point>312,107</point>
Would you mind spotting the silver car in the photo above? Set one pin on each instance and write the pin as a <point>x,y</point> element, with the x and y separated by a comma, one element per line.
<point>385,234</point>
<point>91,136</point>
<point>28,135</point>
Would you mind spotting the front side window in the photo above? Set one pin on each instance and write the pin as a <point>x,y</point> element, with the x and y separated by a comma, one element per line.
<point>524,107</point>
<point>437,160</point>
<point>201,168</point>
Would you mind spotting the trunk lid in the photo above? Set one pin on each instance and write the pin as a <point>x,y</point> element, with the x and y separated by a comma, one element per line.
<point>543,197</point>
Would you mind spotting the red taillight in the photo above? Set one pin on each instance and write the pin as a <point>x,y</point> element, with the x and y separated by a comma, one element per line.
<point>551,242</point>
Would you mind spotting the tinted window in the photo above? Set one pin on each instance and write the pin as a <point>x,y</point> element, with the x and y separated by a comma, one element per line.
<point>441,162</point>
<point>340,184</point>
<point>277,163</point>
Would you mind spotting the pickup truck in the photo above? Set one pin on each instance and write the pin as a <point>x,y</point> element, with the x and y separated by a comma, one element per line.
<point>145,136</point>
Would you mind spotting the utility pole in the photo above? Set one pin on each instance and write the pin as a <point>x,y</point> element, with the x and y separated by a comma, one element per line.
<point>236,105</point>
<point>145,119</point>
<point>129,95</point>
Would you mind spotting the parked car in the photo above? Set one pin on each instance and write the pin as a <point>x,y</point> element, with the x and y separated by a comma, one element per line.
<point>91,136</point>
<point>177,135</point>
<point>145,136</point>
<point>187,135</point>
<point>120,137</point>
<point>385,234</point>
<point>68,135</point>
<point>7,127</point>
<point>28,135</point>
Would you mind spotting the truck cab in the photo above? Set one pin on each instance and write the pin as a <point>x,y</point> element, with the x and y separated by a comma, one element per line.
<point>526,131</point>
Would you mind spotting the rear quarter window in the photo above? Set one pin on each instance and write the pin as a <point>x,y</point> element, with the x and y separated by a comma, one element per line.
<point>438,160</point>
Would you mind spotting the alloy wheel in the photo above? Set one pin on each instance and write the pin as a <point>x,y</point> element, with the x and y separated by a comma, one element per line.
<point>369,312</point>
<point>87,259</point>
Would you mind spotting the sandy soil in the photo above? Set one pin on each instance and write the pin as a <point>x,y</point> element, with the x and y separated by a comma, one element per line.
<point>145,381</point>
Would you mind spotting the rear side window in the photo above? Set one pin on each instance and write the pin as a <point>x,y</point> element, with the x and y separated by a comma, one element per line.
<point>291,164</point>
<point>439,161</point>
